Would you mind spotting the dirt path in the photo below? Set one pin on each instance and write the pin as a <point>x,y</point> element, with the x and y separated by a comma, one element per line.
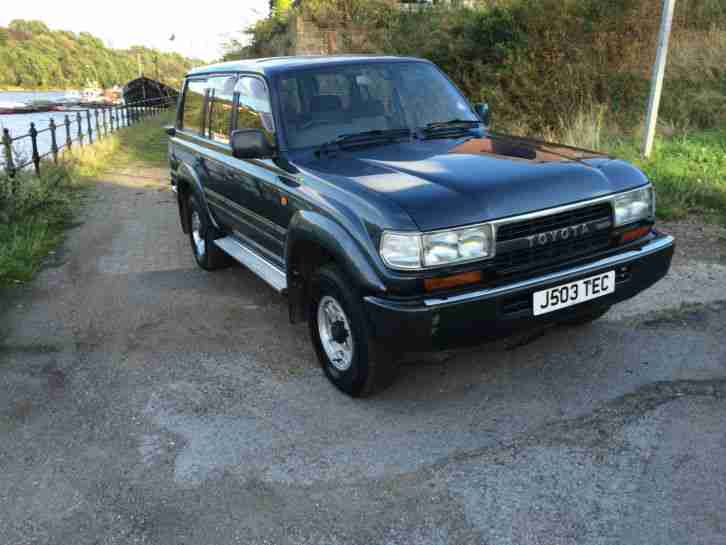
<point>143,400</point>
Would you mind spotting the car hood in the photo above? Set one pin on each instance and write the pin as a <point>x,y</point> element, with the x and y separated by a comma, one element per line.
<point>443,184</point>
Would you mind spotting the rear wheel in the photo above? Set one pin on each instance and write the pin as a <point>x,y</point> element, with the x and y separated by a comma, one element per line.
<point>202,235</point>
<point>340,335</point>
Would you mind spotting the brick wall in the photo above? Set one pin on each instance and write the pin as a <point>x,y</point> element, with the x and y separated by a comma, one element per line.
<point>307,38</point>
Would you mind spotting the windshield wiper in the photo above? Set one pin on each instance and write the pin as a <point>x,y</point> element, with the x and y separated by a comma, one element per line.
<point>452,124</point>
<point>365,138</point>
<point>442,129</point>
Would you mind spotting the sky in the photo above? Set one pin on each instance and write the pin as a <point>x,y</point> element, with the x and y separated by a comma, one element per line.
<point>198,32</point>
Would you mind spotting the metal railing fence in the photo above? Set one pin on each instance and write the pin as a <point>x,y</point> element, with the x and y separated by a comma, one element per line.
<point>79,127</point>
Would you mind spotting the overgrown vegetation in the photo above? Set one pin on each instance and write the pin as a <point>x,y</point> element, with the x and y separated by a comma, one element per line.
<point>34,211</point>
<point>34,57</point>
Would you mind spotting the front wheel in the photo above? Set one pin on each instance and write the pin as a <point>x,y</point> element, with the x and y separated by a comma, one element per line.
<point>201,235</point>
<point>341,339</point>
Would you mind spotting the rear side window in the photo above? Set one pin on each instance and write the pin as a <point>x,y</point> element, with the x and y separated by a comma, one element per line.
<point>221,104</point>
<point>193,114</point>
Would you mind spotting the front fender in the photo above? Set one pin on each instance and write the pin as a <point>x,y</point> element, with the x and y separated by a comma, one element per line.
<point>194,179</point>
<point>312,227</point>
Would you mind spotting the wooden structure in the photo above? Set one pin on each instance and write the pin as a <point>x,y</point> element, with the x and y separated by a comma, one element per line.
<point>147,90</point>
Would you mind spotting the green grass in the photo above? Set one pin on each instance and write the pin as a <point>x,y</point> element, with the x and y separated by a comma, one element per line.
<point>25,243</point>
<point>688,171</point>
<point>33,219</point>
<point>148,144</point>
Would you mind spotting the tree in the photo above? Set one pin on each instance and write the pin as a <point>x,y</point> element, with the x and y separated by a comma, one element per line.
<point>33,56</point>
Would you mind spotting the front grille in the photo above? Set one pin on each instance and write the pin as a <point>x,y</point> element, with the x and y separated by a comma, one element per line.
<point>525,228</point>
<point>539,257</point>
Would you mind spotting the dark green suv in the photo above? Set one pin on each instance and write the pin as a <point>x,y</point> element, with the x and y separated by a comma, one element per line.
<point>370,193</point>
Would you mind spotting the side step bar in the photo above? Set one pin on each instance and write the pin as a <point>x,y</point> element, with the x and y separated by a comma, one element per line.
<point>258,265</point>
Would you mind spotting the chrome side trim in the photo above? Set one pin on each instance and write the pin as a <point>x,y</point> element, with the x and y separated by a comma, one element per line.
<point>258,265</point>
<point>246,211</point>
<point>612,261</point>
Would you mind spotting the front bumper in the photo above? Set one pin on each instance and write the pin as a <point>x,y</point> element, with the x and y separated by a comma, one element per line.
<point>431,322</point>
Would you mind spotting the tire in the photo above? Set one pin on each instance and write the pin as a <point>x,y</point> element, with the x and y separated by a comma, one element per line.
<point>202,235</point>
<point>337,321</point>
<point>586,318</point>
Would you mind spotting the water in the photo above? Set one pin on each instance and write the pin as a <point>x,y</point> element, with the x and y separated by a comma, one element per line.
<point>20,123</point>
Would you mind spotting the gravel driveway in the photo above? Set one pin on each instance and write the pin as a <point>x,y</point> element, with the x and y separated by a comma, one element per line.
<point>143,400</point>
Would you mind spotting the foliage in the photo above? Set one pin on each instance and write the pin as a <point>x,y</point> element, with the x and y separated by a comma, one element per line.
<point>32,57</point>
<point>337,13</point>
<point>269,37</point>
<point>35,210</point>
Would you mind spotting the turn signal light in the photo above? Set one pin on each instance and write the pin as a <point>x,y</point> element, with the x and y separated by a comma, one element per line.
<point>444,282</point>
<point>634,234</point>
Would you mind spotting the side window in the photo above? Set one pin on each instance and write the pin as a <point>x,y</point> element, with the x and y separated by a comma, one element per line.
<point>221,102</point>
<point>193,114</point>
<point>254,111</point>
<point>290,98</point>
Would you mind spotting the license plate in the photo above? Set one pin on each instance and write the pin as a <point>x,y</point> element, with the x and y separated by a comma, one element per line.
<point>573,293</point>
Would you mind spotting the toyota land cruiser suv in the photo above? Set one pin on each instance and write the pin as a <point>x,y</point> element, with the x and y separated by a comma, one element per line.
<point>370,193</point>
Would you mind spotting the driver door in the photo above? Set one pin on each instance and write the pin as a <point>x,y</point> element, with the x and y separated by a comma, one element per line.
<point>256,181</point>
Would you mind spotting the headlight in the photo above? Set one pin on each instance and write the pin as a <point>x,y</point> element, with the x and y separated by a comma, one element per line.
<point>401,251</point>
<point>416,251</point>
<point>634,206</point>
<point>448,247</point>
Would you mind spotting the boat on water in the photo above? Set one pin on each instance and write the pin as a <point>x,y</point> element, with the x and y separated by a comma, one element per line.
<point>14,108</point>
<point>34,106</point>
<point>92,95</point>
<point>45,106</point>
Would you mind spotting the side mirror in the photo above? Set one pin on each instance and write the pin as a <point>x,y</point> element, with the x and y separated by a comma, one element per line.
<point>170,130</point>
<point>484,113</point>
<point>250,144</point>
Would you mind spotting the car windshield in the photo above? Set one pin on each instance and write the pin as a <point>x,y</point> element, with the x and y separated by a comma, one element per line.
<point>318,106</point>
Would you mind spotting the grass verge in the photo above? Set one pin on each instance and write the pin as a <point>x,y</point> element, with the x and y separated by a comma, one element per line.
<point>34,215</point>
<point>688,171</point>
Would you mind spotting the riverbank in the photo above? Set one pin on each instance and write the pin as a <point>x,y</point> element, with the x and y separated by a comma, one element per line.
<point>32,223</point>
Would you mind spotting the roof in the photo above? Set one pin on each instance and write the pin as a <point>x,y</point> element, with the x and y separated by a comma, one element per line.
<point>144,88</point>
<point>273,65</point>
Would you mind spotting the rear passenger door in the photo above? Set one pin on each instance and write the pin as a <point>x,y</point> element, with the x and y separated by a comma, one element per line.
<point>203,140</point>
